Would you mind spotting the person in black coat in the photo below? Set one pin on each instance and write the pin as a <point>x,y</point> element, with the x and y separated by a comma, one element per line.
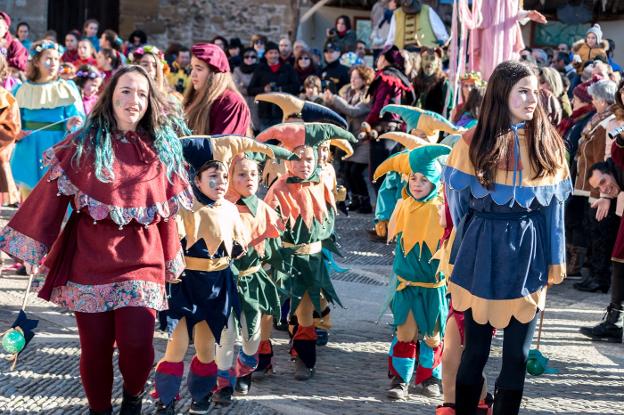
<point>272,76</point>
<point>334,72</point>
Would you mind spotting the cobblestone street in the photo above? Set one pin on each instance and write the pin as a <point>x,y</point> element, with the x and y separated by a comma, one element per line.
<point>351,369</point>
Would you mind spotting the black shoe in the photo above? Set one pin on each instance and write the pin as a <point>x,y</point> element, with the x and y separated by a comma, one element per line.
<point>243,384</point>
<point>592,287</point>
<point>610,328</point>
<point>200,407</point>
<point>131,405</point>
<point>355,202</point>
<point>223,397</point>
<point>302,372</point>
<point>342,206</point>
<point>584,281</point>
<point>507,401</point>
<point>162,409</point>
<point>431,388</point>
<point>22,271</point>
<point>109,412</point>
<point>398,390</point>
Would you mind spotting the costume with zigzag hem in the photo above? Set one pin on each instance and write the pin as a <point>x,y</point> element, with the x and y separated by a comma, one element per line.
<point>212,233</point>
<point>510,239</point>
<point>257,292</point>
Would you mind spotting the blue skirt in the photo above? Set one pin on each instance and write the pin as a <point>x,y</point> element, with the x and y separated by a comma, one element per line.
<point>203,296</point>
<point>500,252</point>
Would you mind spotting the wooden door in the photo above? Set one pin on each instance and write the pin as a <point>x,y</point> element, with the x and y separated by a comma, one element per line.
<point>65,15</point>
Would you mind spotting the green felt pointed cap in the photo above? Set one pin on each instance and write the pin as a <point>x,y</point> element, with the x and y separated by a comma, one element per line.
<point>426,161</point>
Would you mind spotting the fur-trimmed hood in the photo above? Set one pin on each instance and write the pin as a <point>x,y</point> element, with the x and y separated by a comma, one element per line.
<point>579,44</point>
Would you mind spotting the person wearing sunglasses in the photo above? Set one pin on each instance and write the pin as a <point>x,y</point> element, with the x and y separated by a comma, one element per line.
<point>304,66</point>
<point>258,42</point>
<point>242,77</point>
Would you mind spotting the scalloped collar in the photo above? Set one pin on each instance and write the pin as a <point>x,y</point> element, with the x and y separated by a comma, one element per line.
<point>48,95</point>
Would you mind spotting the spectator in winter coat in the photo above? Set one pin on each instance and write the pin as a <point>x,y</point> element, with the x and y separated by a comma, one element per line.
<point>272,76</point>
<point>341,35</point>
<point>334,71</point>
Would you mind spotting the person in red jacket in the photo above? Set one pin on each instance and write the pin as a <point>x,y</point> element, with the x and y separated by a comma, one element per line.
<point>390,86</point>
<point>213,105</point>
<point>16,53</point>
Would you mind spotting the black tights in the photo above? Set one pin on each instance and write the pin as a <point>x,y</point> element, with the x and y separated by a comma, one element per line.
<point>617,284</point>
<point>478,338</point>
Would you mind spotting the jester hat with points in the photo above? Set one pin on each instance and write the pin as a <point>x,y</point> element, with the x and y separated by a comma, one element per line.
<point>294,107</point>
<point>297,134</point>
<point>199,149</point>
<point>424,160</point>
<point>429,122</point>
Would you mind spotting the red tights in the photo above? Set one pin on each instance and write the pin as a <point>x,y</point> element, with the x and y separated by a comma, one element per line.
<point>133,330</point>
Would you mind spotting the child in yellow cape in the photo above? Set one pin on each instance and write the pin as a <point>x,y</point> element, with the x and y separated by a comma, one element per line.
<point>419,301</point>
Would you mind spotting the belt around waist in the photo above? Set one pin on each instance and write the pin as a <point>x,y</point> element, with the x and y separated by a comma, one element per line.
<point>249,271</point>
<point>305,249</point>
<point>206,264</point>
<point>506,215</point>
<point>35,125</point>
<point>403,284</point>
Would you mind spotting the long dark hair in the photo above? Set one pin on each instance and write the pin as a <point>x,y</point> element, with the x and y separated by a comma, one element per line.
<point>345,19</point>
<point>490,144</point>
<point>162,127</point>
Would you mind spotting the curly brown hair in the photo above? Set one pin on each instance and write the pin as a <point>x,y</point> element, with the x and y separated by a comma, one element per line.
<point>366,73</point>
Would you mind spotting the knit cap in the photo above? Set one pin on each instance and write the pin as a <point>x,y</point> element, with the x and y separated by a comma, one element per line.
<point>595,29</point>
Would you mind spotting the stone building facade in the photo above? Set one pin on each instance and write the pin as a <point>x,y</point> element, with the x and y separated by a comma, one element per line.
<point>184,21</point>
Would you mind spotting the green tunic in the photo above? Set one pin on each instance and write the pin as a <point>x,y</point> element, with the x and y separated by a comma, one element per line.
<point>308,272</point>
<point>428,305</point>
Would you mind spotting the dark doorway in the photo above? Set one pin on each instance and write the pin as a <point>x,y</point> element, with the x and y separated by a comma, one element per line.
<point>65,15</point>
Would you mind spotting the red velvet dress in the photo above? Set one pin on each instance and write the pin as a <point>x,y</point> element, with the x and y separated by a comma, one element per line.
<point>118,247</point>
<point>229,114</point>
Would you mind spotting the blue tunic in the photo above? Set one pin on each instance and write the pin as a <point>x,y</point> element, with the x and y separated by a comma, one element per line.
<point>26,162</point>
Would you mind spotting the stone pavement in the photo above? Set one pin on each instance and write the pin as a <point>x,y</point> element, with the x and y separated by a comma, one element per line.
<point>351,370</point>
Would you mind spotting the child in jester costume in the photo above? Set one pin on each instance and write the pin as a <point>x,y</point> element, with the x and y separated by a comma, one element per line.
<point>425,124</point>
<point>294,109</point>
<point>419,302</point>
<point>307,205</point>
<point>257,292</point>
<point>202,303</point>
<point>322,321</point>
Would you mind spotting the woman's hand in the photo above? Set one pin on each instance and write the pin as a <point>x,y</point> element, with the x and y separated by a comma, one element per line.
<point>328,97</point>
<point>602,206</point>
<point>536,16</point>
<point>74,122</point>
